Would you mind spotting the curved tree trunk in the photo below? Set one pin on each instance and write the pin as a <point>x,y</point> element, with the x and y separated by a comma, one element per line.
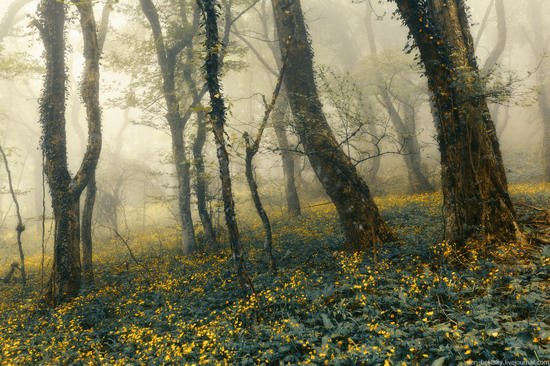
<point>362,222</point>
<point>476,205</point>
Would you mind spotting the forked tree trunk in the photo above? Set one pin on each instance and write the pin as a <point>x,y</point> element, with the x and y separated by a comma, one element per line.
<point>218,118</point>
<point>476,204</point>
<point>362,222</point>
<point>65,280</point>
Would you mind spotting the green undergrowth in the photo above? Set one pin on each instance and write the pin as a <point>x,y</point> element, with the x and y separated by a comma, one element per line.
<point>409,307</point>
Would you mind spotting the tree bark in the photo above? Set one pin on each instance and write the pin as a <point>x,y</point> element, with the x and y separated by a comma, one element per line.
<point>218,118</point>
<point>362,222</point>
<point>477,206</point>
<point>86,234</point>
<point>167,62</point>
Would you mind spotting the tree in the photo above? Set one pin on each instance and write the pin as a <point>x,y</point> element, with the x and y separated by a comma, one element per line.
<point>218,118</point>
<point>362,222</point>
<point>405,127</point>
<point>167,60</point>
<point>65,190</point>
<point>252,146</point>
<point>279,117</point>
<point>20,227</point>
<point>91,188</point>
<point>476,203</point>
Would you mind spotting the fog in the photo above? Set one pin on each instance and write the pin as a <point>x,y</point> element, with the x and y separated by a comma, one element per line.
<point>136,173</point>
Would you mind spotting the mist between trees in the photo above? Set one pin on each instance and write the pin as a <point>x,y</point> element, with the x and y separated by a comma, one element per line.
<point>121,117</point>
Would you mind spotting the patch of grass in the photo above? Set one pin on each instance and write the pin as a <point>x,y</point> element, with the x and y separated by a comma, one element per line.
<point>325,307</point>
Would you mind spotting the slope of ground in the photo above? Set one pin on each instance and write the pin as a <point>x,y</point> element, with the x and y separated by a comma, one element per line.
<point>409,307</point>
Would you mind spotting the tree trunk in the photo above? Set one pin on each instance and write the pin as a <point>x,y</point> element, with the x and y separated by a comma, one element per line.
<point>218,118</point>
<point>251,150</point>
<point>497,51</point>
<point>65,280</point>
<point>362,222</point>
<point>20,227</point>
<point>287,157</point>
<point>201,184</point>
<point>93,57</point>
<point>184,187</point>
<point>167,62</point>
<point>201,180</point>
<point>476,204</point>
<point>417,178</point>
<point>249,171</point>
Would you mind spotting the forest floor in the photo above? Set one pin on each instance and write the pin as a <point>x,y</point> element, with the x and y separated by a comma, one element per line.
<point>409,307</point>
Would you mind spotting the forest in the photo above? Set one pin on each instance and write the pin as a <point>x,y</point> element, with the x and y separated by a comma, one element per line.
<point>275,182</point>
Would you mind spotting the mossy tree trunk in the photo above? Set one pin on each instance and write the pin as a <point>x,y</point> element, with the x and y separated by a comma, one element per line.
<point>218,119</point>
<point>65,190</point>
<point>476,205</point>
<point>362,222</point>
